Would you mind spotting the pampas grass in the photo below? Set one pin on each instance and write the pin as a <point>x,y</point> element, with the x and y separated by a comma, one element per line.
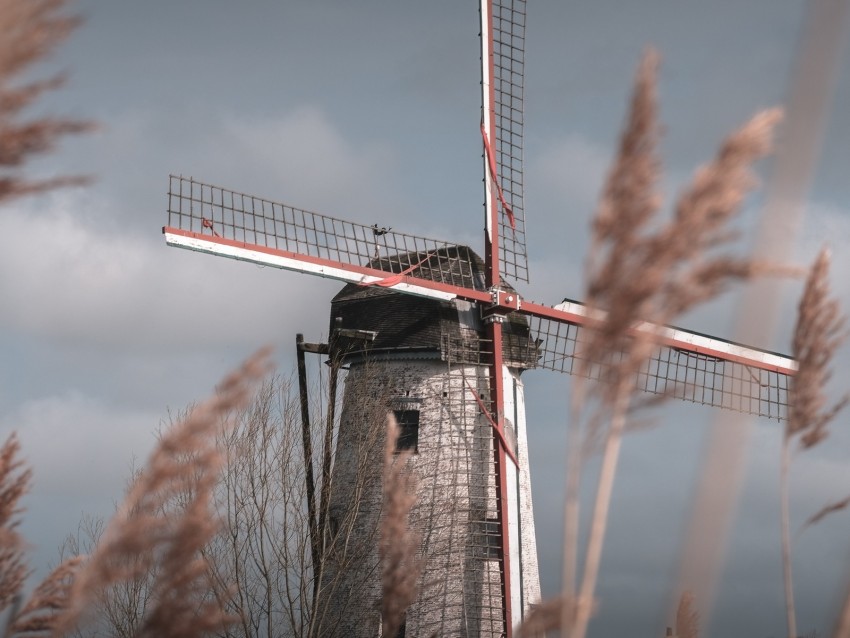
<point>818,333</point>
<point>147,535</point>
<point>687,617</point>
<point>547,616</point>
<point>38,617</point>
<point>826,510</point>
<point>399,566</point>
<point>644,270</point>
<point>15,481</point>
<point>31,31</point>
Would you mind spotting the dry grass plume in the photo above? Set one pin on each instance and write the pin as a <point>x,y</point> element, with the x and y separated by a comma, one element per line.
<point>31,32</point>
<point>687,617</point>
<point>15,480</point>
<point>546,616</point>
<point>642,269</point>
<point>400,567</point>
<point>818,333</point>
<point>147,535</point>
<point>38,617</point>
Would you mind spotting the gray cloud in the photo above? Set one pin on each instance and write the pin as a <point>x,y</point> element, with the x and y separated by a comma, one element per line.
<point>85,285</point>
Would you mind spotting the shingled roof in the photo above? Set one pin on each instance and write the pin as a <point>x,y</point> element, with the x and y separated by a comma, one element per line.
<point>409,325</point>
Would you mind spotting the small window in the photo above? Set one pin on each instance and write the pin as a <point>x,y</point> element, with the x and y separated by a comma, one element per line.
<point>491,539</point>
<point>408,425</point>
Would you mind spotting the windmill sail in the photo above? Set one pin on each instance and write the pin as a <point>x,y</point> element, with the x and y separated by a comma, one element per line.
<point>508,47</point>
<point>219,221</point>
<point>486,551</point>
<point>687,366</point>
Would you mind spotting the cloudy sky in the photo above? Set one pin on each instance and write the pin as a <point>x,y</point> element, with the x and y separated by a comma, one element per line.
<point>370,111</point>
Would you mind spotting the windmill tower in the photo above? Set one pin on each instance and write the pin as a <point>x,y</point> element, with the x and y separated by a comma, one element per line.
<point>428,363</point>
<point>448,339</point>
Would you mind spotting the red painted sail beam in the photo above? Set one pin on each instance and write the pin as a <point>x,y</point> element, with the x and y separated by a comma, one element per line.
<point>570,313</point>
<point>493,322</point>
<point>578,314</point>
<point>328,268</point>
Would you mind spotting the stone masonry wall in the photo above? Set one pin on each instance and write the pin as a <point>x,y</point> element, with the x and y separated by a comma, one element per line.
<point>455,513</point>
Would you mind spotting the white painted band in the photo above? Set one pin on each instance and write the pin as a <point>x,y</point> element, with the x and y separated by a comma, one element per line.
<point>297,265</point>
<point>691,338</point>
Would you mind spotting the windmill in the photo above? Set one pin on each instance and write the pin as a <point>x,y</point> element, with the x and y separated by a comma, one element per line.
<point>399,287</point>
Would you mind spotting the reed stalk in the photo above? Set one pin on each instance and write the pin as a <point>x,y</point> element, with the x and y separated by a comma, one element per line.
<point>818,333</point>
<point>641,269</point>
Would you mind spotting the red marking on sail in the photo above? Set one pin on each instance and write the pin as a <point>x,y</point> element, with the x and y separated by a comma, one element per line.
<point>491,162</point>
<point>392,280</point>
<point>499,433</point>
<point>207,223</point>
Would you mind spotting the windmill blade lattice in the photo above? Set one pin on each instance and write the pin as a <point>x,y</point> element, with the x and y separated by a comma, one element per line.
<point>678,373</point>
<point>209,210</point>
<point>685,373</point>
<point>508,78</point>
<point>218,213</point>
